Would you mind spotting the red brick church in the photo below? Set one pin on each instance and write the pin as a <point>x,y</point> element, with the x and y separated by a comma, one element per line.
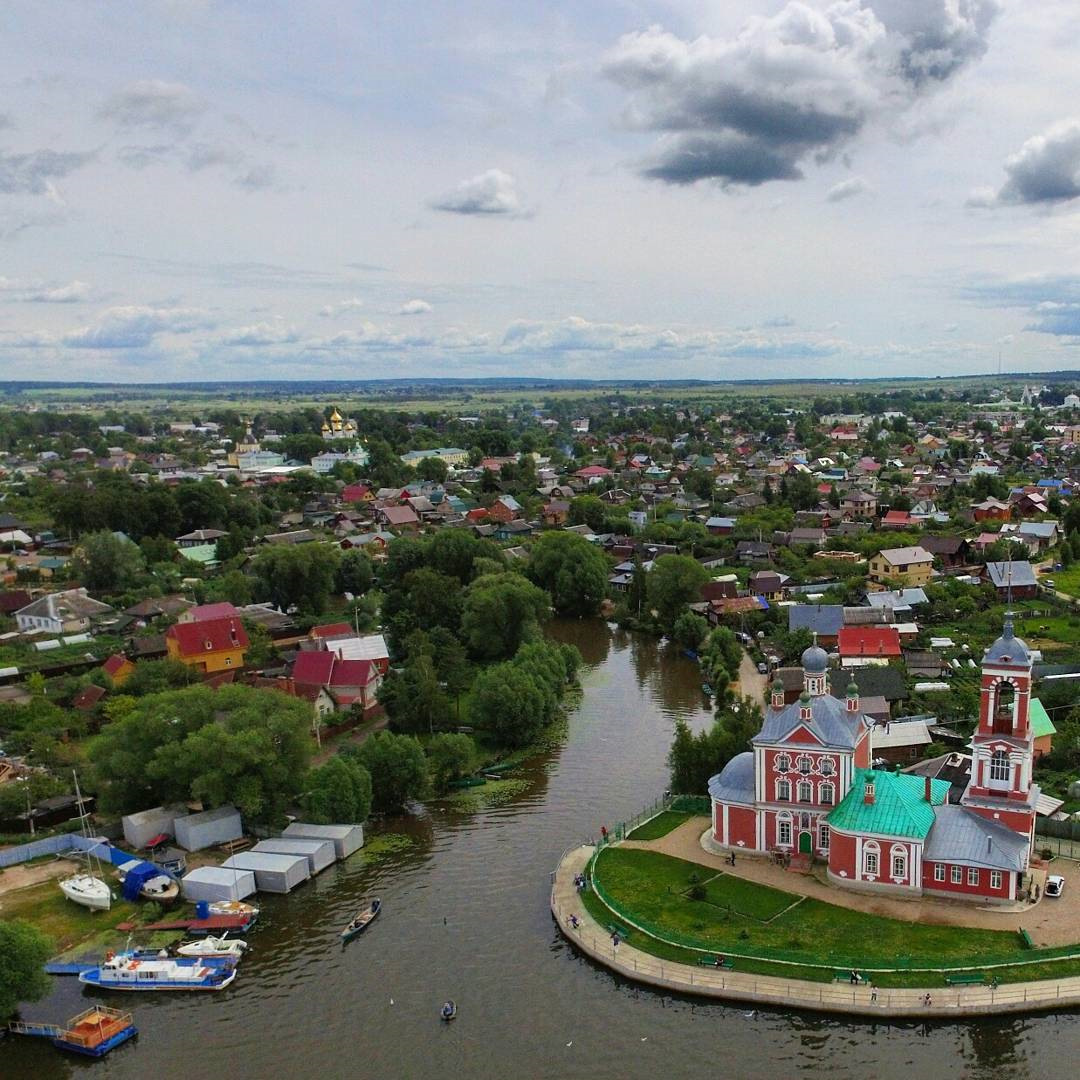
<point>807,789</point>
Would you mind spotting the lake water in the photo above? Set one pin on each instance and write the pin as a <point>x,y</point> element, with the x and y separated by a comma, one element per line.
<point>466,916</point>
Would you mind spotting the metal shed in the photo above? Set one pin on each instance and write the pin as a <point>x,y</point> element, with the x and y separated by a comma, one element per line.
<point>319,853</point>
<point>198,831</point>
<point>217,883</point>
<point>273,873</point>
<point>141,828</point>
<point>346,838</point>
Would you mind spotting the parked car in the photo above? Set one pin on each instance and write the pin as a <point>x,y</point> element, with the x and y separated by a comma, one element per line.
<point>1055,883</point>
<point>763,668</point>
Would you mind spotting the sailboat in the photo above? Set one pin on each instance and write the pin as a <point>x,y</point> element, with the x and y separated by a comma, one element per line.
<point>84,888</point>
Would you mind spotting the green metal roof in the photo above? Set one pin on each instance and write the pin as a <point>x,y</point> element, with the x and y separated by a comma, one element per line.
<point>1040,721</point>
<point>899,807</point>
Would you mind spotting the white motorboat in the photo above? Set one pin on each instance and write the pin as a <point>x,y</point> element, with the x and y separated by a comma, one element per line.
<point>87,890</point>
<point>233,907</point>
<point>213,946</point>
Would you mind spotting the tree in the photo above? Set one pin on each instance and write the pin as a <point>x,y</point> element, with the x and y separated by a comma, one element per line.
<point>398,769</point>
<point>354,573</point>
<point>721,655</point>
<point>234,586</point>
<point>155,676</point>
<point>588,510</point>
<point>450,757</point>
<point>338,792</point>
<point>103,561</point>
<point>233,745</point>
<point>508,703</point>
<point>433,469</point>
<point>674,582</point>
<point>689,630</point>
<point>695,759</point>
<point>25,951</point>
<point>413,699</point>
<point>501,611</point>
<point>299,576</point>
<point>573,571</point>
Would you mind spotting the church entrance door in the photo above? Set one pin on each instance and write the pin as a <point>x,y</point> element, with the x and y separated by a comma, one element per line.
<point>806,844</point>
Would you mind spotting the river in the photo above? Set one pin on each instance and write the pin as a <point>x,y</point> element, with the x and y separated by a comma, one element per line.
<point>466,916</point>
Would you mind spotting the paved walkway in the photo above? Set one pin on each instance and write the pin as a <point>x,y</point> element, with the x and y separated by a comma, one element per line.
<point>945,1002</point>
<point>1050,922</point>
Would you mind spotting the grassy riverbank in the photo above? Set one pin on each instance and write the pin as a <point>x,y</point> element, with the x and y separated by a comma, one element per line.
<point>772,932</point>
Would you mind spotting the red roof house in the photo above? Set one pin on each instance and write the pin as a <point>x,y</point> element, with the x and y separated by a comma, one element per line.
<point>881,642</point>
<point>896,519</point>
<point>210,645</point>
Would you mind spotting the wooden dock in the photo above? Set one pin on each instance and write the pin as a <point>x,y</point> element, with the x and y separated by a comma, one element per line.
<point>235,924</point>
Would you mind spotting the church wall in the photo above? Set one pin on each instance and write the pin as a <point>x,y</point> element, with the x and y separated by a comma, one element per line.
<point>964,888</point>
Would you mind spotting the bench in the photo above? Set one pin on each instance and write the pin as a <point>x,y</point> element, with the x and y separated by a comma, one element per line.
<point>1025,937</point>
<point>725,964</point>
<point>845,976</point>
<point>615,928</point>
<point>965,978</point>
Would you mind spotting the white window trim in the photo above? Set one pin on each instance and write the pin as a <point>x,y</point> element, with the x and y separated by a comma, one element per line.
<point>806,786</point>
<point>783,791</point>
<point>995,879</point>
<point>973,875</point>
<point>956,876</point>
<point>784,824</point>
<point>939,871</point>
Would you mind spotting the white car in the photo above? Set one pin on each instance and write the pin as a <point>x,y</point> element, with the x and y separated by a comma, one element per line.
<point>1055,883</point>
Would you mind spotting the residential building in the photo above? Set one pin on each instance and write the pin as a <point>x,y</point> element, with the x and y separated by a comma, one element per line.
<point>210,645</point>
<point>68,612</point>
<point>909,566</point>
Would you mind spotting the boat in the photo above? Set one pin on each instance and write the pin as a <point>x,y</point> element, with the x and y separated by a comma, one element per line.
<point>92,1033</point>
<point>362,920</point>
<point>152,885</point>
<point>85,888</point>
<point>448,1011</point>
<point>233,907</point>
<point>213,946</point>
<point>126,971</point>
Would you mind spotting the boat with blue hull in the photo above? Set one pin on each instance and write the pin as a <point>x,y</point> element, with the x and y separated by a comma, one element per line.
<point>131,971</point>
<point>92,1033</point>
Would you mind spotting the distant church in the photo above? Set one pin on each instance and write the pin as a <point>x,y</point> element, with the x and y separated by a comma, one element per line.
<point>807,789</point>
<point>337,428</point>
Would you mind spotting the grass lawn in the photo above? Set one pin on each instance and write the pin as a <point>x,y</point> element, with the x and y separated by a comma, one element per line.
<point>1066,581</point>
<point>54,914</point>
<point>658,826</point>
<point>652,887</point>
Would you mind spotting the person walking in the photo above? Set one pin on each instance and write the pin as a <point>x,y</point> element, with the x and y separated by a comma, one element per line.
<point>873,994</point>
<point>928,1001</point>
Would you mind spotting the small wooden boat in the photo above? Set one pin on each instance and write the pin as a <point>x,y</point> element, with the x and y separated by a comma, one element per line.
<point>448,1011</point>
<point>362,921</point>
<point>232,907</point>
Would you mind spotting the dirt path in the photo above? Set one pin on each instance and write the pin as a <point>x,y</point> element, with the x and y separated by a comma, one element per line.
<point>354,738</point>
<point>1049,922</point>
<point>19,877</point>
<point>752,683</point>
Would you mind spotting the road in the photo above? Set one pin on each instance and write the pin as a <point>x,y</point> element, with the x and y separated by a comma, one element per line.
<point>752,683</point>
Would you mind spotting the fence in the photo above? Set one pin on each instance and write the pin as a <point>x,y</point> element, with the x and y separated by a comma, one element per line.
<point>59,845</point>
<point>1065,849</point>
<point>1064,830</point>
<point>833,960</point>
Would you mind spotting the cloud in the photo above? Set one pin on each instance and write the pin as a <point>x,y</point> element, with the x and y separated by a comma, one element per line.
<point>267,333</point>
<point>133,327</point>
<point>1052,301</point>
<point>342,307</point>
<point>153,103</point>
<point>846,189</point>
<point>490,193</point>
<point>72,293</point>
<point>1045,170</point>
<point>139,157</point>
<point>414,307</point>
<point>32,174</point>
<point>793,87</point>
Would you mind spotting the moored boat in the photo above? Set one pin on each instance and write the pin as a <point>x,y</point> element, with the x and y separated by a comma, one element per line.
<point>362,920</point>
<point>92,1033</point>
<point>232,907</point>
<point>213,946</point>
<point>125,971</point>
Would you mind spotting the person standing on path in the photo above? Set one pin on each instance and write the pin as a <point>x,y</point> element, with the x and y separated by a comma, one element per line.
<point>873,994</point>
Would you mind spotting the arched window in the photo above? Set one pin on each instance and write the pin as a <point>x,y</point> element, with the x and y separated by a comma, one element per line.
<point>783,762</point>
<point>1004,702</point>
<point>783,830</point>
<point>870,858</point>
<point>899,861</point>
<point>826,794</point>
<point>805,764</point>
<point>823,836</point>
<point>999,766</point>
<point>826,767</point>
<point>783,791</point>
<point>806,791</point>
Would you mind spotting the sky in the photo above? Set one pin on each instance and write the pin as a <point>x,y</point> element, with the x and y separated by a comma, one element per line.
<point>650,190</point>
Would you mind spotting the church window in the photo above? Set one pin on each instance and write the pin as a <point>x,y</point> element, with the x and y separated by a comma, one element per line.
<point>999,765</point>
<point>783,831</point>
<point>783,791</point>
<point>827,768</point>
<point>805,764</point>
<point>899,863</point>
<point>973,875</point>
<point>957,875</point>
<point>806,791</point>
<point>995,879</point>
<point>826,792</point>
<point>870,858</point>
<point>783,762</point>
<point>823,837</point>
<point>939,871</point>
